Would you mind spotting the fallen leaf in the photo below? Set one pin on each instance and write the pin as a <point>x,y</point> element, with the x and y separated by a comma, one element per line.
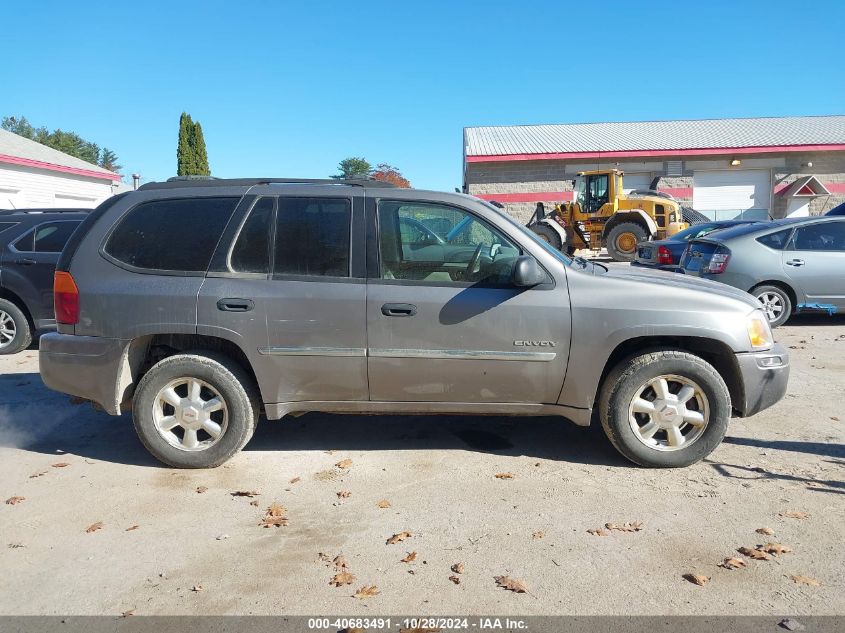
<point>756,554</point>
<point>201,489</point>
<point>60,465</point>
<point>384,503</point>
<point>367,591</point>
<point>274,516</point>
<point>834,418</point>
<point>458,568</point>
<point>398,538</point>
<point>344,494</point>
<point>697,579</point>
<point>340,562</point>
<point>343,578</point>
<point>276,510</point>
<point>634,526</point>
<point>504,475</point>
<point>598,532</point>
<point>733,563</point>
<point>805,580</point>
<point>126,614</point>
<point>775,548</point>
<point>196,588</point>
<point>455,580</point>
<point>765,530</point>
<point>94,527</point>
<point>344,463</point>
<point>795,514</point>
<point>324,557</point>
<point>13,501</point>
<point>511,584</point>
<point>295,480</point>
<point>245,493</point>
<point>409,558</point>
<point>538,534</point>
<point>132,527</point>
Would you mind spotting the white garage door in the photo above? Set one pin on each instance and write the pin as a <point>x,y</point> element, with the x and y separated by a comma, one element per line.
<point>724,195</point>
<point>635,181</point>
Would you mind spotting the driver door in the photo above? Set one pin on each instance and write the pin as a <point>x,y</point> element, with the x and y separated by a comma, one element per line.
<point>445,323</point>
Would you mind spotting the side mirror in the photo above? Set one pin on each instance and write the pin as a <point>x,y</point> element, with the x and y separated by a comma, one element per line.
<point>527,272</point>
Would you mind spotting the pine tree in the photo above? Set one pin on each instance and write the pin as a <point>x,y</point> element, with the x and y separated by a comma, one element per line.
<point>200,153</point>
<point>184,149</point>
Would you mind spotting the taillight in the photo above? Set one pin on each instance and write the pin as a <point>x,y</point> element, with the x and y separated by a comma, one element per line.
<point>718,262</point>
<point>65,298</point>
<point>664,255</point>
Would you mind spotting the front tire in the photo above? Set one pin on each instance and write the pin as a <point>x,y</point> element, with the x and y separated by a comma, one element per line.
<point>195,410</point>
<point>15,333</point>
<point>665,409</point>
<point>776,303</point>
<point>547,234</point>
<point>622,241</point>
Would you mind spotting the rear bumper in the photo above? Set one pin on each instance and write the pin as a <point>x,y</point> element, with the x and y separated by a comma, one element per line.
<point>764,378</point>
<point>85,366</point>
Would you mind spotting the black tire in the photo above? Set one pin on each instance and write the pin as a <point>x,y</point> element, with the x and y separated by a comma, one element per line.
<point>235,388</point>
<point>619,231</point>
<point>548,234</point>
<point>625,381</point>
<point>764,294</point>
<point>23,332</point>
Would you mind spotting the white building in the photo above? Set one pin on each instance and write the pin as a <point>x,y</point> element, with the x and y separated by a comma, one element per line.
<point>33,175</point>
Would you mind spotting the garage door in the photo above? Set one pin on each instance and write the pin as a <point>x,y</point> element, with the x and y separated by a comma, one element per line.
<point>635,181</point>
<point>724,195</point>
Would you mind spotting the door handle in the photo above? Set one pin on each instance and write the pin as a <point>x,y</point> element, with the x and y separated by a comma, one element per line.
<point>795,262</point>
<point>235,305</point>
<point>399,309</point>
<point>25,262</point>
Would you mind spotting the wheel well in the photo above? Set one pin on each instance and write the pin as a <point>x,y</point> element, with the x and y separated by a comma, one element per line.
<point>783,286</point>
<point>714,352</point>
<point>621,218</point>
<point>7,294</point>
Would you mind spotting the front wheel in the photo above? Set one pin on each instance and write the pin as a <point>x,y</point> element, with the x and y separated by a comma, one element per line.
<point>776,304</point>
<point>547,234</point>
<point>622,241</point>
<point>665,409</point>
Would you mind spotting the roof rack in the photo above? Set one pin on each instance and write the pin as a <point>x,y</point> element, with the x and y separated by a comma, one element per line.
<point>45,210</point>
<point>209,181</point>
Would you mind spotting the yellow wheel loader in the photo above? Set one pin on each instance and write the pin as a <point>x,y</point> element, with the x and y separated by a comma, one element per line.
<point>602,216</point>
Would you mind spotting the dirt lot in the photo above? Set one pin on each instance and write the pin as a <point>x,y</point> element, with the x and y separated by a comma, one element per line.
<point>205,552</point>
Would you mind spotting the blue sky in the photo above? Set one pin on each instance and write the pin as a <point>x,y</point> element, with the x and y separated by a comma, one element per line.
<point>291,88</point>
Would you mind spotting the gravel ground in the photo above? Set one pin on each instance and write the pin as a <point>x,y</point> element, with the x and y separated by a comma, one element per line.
<point>197,549</point>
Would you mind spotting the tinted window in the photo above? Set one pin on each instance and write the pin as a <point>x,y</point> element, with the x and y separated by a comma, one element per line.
<point>6,225</point>
<point>49,237</point>
<point>177,235</point>
<point>777,240</point>
<point>251,252</point>
<point>312,237</point>
<point>824,236</point>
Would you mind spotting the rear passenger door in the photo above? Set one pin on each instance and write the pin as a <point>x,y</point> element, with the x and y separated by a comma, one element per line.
<point>815,261</point>
<point>287,284</point>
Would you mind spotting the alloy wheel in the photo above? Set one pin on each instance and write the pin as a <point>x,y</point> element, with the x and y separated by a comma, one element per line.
<point>773,305</point>
<point>8,329</point>
<point>190,414</point>
<point>669,413</point>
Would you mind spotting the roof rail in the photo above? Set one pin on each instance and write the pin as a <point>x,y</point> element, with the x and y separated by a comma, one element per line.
<point>209,181</point>
<point>45,210</point>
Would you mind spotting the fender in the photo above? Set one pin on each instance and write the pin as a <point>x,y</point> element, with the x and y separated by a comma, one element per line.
<point>625,216</point>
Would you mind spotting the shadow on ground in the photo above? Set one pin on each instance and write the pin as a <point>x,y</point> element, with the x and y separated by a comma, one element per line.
<point>829,449</point>
<point>735,471</point>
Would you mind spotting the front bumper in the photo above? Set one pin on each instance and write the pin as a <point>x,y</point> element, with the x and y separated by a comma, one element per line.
<point>764,379</point>
<point>85,366</point>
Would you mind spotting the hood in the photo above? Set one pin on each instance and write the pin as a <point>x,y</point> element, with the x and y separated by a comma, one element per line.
<point>679,280</point>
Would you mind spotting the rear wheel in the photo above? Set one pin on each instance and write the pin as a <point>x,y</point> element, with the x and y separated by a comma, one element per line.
<point>776,303</point>
<point>622,241</point>
<point>547,234</point>
<point>665,409</point>
<point>15,333</point>
<point>195,410</point>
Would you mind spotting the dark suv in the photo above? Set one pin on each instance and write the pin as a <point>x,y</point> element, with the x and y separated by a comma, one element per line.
<point>30,243</point>
<point>201,304</point>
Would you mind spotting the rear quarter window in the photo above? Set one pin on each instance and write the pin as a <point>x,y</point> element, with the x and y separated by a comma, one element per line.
<point>777,240</point>
<point>6,225</point>
<point>175,235</point>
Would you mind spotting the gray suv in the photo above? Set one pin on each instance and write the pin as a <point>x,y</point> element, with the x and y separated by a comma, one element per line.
<point>204,304</point>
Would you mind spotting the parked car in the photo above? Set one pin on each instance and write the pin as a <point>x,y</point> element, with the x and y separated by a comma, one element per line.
<point>666,254</point>
<point>837,210</point>
<point>201,304</point>
<point>788,265</point>
<point>30,243</point>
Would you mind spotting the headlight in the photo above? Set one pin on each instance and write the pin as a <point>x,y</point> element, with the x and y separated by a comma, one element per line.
<point>759,331</point>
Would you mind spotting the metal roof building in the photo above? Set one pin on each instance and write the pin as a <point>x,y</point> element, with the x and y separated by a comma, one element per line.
<point>722,167</point>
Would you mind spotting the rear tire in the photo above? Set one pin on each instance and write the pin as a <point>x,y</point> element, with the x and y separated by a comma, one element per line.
<point>622,241</point>
<point>668,425</point>
<point>547,234</point>
<point>776,304</point>
<point>219,418</point>
<point>15,332</point>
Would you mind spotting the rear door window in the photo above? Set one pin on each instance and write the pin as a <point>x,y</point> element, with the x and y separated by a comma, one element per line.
<point>824,236</point>
<point>176,235</point>
<point>49,237</point>
<point>251,252</point>
<point>312,237</point>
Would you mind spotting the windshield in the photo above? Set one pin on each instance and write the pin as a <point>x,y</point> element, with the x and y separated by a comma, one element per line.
<point>581,191</point>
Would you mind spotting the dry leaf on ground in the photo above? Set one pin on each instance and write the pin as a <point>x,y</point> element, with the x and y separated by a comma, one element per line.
<point>94,527</point>
<point>342,578</point>
<point>455,580</point>
<point>765,530</point>
<point>60,465</point>
<point>795,514</point>
<point>274,516</point>
<point>756,554</point>
<point>598,532</point>
<point>775,548</point>
<point>384,503</point>
<point>13,501</point>
<point>410,557</point>
<point>245,493</point>
<point>504,475</point>
<point>132,527</point>
<point>367,591</point>
<point>631,526</point>
<point>344,463</point>
<point>511,584</point>
<point>697,579</point>
<point>201,489</point>
<point>538,534</point>
<point>458,568</point>
<point>339,562</point>
<point>398,538</point>
<point>344,494</point>
<point>805,580</point>
<point>733,563</point>
<point>324,557</point>
<point>295,480</point>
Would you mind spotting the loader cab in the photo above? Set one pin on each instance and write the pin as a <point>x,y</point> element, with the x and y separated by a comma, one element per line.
<point>593,191</point>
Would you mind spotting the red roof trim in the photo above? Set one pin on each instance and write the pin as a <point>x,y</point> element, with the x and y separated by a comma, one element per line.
<point>27,162</point>
<point>708,151</point>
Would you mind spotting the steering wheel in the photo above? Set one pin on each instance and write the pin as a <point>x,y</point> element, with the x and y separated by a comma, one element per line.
<point>473,261</point>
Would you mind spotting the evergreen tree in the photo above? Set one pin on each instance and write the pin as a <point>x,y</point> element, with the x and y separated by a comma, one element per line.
<point>184,149</point>
<point>108,160</point>
<point>200,153</point>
